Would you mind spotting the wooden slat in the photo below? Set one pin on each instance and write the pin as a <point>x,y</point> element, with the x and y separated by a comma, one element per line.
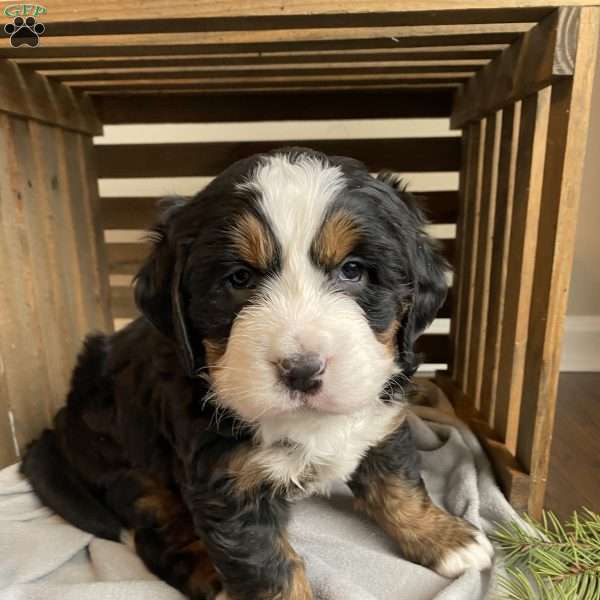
<point>466,152</point>
<point>207,159</point>
<point>486,32</point>
<point>521,263</point>
<point>246,88</point>
<point>443,55</point>
<point>428,42</point>
<point>93,226</point>
<point>540,56</point>
<point>84,249</point>
<point>513,480</point>
<point>275,81</point>
<point>107,12</point>
<point>483,258</point>
<point>568,126</point>
<point>467,268</point>
<point>61,239</point>
<point>260,73</point>
<point>28,94</point>
<point>33,210</point>
<point>22,354</point>
<point>502,220</point>
<point>184,24</point>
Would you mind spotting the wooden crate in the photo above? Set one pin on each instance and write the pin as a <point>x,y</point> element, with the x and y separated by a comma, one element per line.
<point>514,77</point>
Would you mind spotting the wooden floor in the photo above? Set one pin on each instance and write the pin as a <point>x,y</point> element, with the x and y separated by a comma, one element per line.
<point>574,479</point>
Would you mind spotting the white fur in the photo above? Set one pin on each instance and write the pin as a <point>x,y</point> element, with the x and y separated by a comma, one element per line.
<point>330,445</point>
<point>477,555</point>
<point>222,596</point>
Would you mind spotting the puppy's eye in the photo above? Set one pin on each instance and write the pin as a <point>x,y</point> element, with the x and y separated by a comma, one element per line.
<point>241,279</point>
<point>352,271</point>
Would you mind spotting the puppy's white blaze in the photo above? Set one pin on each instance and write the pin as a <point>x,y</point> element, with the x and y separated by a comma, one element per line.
<point>478,555</point>
<point>295,197</point>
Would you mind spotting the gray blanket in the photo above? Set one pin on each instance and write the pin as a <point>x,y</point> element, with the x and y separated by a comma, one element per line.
<point>347,557</point>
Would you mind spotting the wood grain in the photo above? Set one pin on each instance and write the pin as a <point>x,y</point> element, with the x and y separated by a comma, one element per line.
<point>114,10</point>
<point>92,222</point>
<point>527,66</point>
<point>168,90</point>
<point>400,56</point>
<point>259,74</point>
<point>502,223</point>
<point>322,20</point>
<point>26,373</point>
<point>466,42</point>
<point>521,263</point>
<point>486,33</point>
<point>28,94</point>
<point>484,256</point>
<point>455,328</point>
<point>568,126</point>
<point>467,268</point>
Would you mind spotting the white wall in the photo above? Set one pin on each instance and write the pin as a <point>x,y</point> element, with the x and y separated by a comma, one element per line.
<point>581,351</point>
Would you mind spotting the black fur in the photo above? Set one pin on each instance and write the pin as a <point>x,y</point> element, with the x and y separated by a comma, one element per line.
<point>133,409</point>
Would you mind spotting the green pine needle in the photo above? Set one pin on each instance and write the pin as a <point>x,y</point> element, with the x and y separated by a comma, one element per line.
<point>549,560</point>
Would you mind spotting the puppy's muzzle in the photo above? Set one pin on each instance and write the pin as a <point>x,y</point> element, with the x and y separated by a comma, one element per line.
<point>302,372</point>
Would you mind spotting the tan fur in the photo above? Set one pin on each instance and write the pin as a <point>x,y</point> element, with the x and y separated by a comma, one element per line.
<point>174,522</point>
<point>157,501</point>
<point>299,587</point>
<point>214,352</point>
<point>203,577</point>
<point>246,475</point>
<point>253,242</point>
<point>424,532</point>
<point>337,239</point>
<point>388,337</point>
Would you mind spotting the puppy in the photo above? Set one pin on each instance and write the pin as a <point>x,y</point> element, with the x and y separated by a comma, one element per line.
<point>280,310</point>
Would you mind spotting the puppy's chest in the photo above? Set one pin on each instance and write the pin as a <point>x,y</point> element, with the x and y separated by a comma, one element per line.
<point>305,460</point>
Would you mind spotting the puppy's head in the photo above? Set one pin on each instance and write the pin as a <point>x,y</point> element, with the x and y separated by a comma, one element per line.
<point>297,280</point>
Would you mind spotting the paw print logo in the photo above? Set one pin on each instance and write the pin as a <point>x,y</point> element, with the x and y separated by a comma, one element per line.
<point>24,32</point>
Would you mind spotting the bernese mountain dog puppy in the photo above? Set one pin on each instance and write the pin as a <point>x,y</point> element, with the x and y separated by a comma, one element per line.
<point>280,309</point>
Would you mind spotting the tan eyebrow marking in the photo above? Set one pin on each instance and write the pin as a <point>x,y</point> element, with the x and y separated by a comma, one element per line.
<point>253,242</point>
<point>338,237</point>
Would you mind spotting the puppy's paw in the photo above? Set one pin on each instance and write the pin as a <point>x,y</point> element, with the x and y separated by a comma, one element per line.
<point>476,554</point>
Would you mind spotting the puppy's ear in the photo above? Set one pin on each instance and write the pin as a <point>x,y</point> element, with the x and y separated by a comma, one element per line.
<point>429,284</point>
<point>158,283</point>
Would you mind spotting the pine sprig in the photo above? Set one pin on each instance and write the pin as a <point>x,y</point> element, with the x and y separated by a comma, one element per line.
<point>550,561</point>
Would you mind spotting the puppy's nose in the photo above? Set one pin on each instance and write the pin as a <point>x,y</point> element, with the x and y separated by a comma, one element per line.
<point>301,372</point>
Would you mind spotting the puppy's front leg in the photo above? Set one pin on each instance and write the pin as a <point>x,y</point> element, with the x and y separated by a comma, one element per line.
<point>243,528</point>
<point>388,487</point>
